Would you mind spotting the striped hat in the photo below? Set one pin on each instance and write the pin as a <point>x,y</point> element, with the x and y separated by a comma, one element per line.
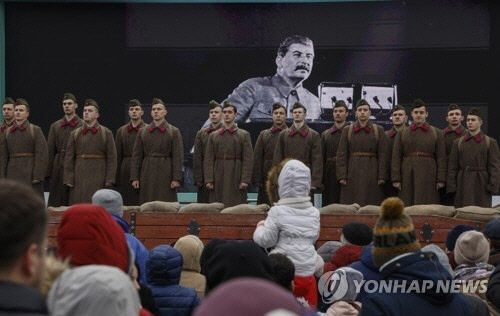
<point>394,233</point>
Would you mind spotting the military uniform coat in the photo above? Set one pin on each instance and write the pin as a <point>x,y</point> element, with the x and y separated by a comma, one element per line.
<point>25,154</point>
<point>419,175</point>
<point>304,145</point>
<point>450,135</point>
<point>330,140</point>
<point>263,159</point>
<point>389,189</point>
<point>58,140</point>
<point>157,161</point>
<point>362,172</point>
<point>4,126</point>
<point>200,146</point>
<point>125,140</point>
<point>89,173</point>
<point>474,171</point>
<point>228,162</point>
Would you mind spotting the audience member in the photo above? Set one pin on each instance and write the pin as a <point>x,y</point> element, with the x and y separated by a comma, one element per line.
<point>493,292</point>
<point>113,203</point>
<point>441,256</point>
<point>367,267</point>
<point>191,247</point>
<point>283,270</point>
<point>93,290</point>
<point>23,237</point>
<point>207,252</point>
<point>53,269</point>
<point>492,231</point>
<point>396,251</point>
<point>471,255</point>
<point>234,259</point>
<point>327,250</point>
<point>292,224</point>
<point>354,237</point>
<point>343,297</point>
<point>88,235</point>
<point>451,239</point>
<point>164,268</point>
<point>250,297</point>
<point>145,294</point>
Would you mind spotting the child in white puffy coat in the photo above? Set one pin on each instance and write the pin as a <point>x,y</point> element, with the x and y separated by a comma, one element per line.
<point>292,225</point>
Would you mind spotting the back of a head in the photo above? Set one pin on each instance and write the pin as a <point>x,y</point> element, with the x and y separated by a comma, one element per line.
<point>283,270</point>
<point>164,266</point>
<point>190,247</point>
<point>89,235</point>
<point>234,259</point>
<point>248,297</point>
<point>110,200</point>
<point>441,255</point>
<point>294,180</point>
<point>23,222</point>
<point>453,234</point>
<point>340,285</point>
<point>207,252</point>
<point>93,290</point>
<point>471,248</point>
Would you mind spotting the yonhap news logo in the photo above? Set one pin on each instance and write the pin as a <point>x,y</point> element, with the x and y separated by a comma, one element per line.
<point>333,286</point>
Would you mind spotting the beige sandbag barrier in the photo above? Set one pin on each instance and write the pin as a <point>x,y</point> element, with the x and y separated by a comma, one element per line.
<point>131,208</point>
<point>369,210</point>
<point>247,209</point>
<point>202,208</point>
<point>431,209</point>
<point>476,213</point>
<point>57,209</point>
<point>161,207</point>
<point>339,209</point>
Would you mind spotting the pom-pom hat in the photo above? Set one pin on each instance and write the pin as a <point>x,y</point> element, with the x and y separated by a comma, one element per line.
<point>394,233</point>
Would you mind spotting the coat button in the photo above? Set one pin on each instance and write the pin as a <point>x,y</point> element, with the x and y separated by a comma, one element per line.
<point>398,265</point>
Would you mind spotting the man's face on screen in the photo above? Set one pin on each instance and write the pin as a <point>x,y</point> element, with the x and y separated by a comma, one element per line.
<point>297,62</point>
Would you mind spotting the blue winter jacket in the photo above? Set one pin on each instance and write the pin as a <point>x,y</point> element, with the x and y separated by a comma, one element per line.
<point>418,266</point>
<point>366,266</point>
<point>140,252</point>
<point>164,267</point>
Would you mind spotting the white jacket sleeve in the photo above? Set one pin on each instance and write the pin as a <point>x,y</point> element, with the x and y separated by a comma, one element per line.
<point>266,235</point>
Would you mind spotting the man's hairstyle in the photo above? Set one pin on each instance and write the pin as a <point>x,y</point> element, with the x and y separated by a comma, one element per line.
<point>475,111</point>
<point>228,104</point>
<point>294,39</point>
<point>8,101</point>
<point>23,221</point>
<point>21,101</point>
<point>362,102</point>
<point>418,103</point>
<point>283,270</point>
<point>213,104</point>
<point>133,103</point>
<point>158,101</point>
<point>278,105</point>
<point>454,106</point>
<point>69,96</point>
<point>91,102</point>
<point>341,104</point>
<point>299,105</point>
<point>398,108</point>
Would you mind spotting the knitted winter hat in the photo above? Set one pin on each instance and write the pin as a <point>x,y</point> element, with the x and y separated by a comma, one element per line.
<point>456,231</point>
<point>471,248</point>
<point>111,200</point>
<point>394,233</point>
<point>492,229</point>
<point>89,235</point>
<point>358,234</point>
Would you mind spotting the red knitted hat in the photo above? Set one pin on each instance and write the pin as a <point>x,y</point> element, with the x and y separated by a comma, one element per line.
<point>89,235</point>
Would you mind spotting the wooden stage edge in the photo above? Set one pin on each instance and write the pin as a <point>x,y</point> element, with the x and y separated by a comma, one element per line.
<point>156,228</point>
